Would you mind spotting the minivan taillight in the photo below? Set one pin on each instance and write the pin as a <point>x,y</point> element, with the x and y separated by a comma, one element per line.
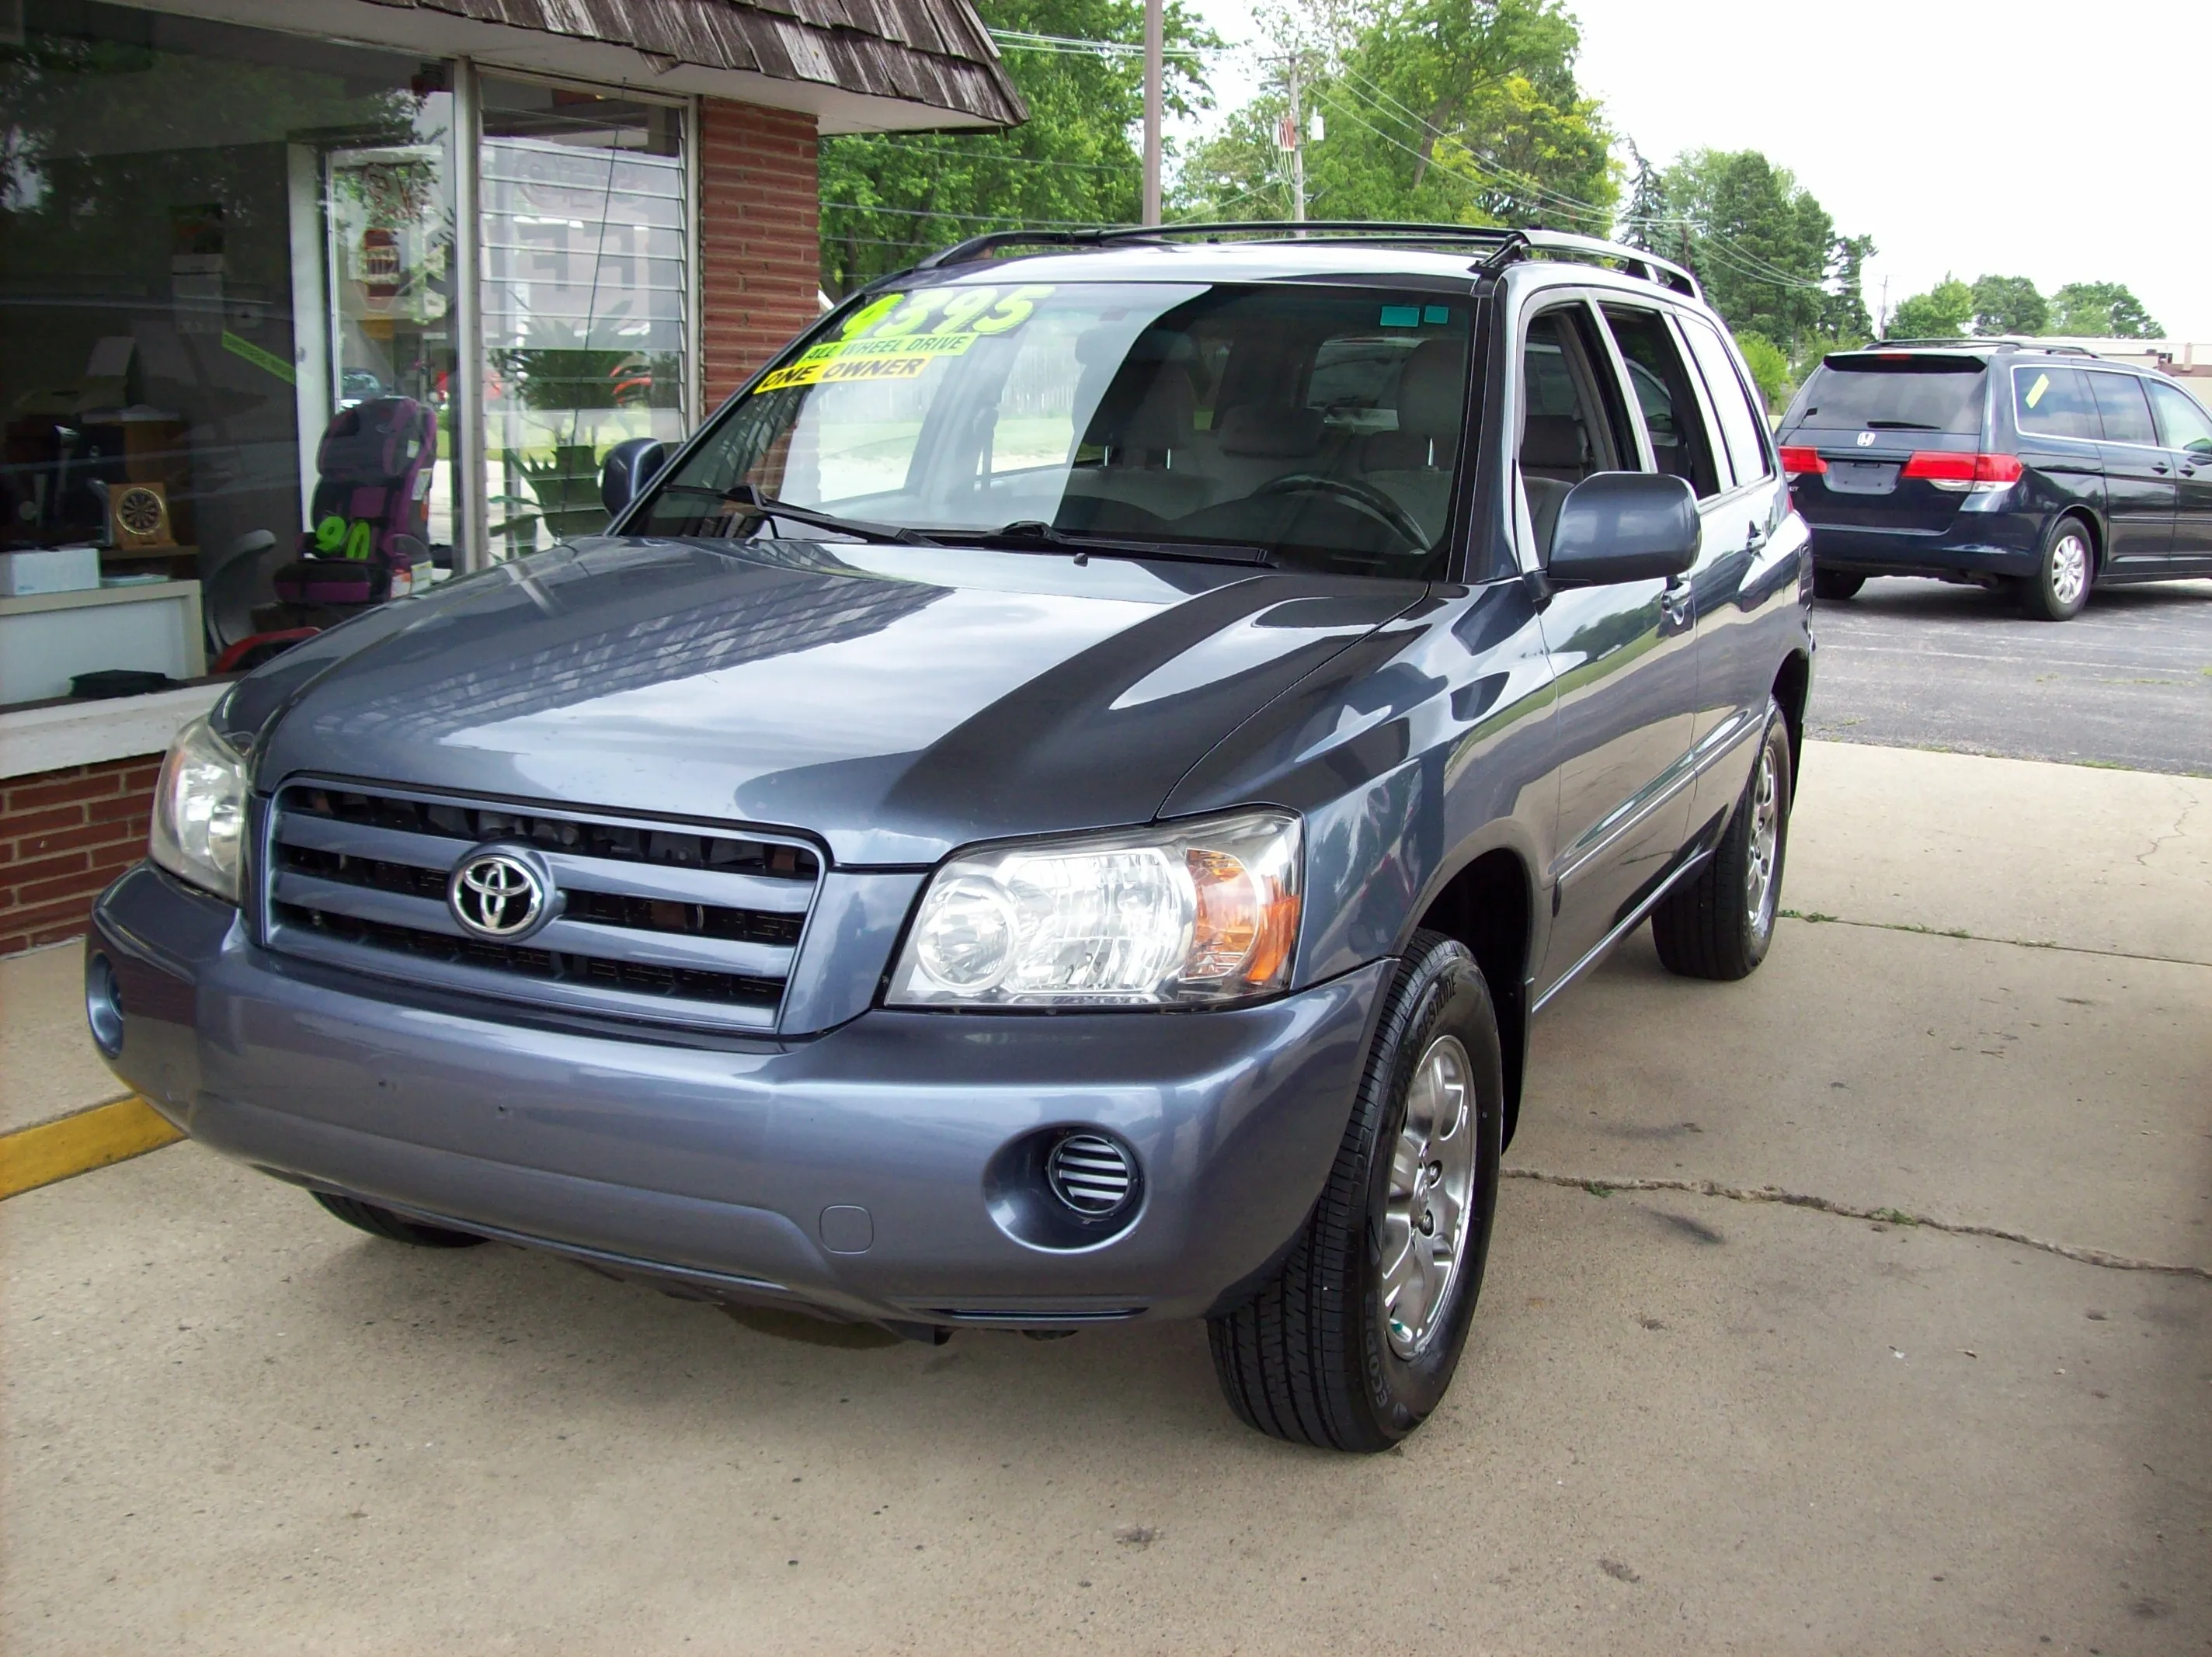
<point>1800,462</point>
<point>1963,472</point>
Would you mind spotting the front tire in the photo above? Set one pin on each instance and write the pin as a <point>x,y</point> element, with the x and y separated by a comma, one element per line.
<point>1719,924</point>
<point>394,1227</point>
<point>2060,586</point>
<point>1353,1341</point>
<point>1835,585</point>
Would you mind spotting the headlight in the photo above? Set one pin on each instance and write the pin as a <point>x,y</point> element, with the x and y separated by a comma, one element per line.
<point>199,811</point>
<point>1174,915</point>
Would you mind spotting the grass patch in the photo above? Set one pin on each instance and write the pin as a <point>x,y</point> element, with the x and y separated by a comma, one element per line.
<point>1894,1216</point>
<point>1596,1189</point>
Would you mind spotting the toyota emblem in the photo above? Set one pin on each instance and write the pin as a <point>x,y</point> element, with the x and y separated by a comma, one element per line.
<point>496,895</point>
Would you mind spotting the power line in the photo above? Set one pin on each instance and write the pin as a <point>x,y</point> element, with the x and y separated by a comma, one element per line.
<point>1067,46</point>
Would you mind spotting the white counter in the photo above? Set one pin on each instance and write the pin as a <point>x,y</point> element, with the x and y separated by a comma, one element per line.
<point>47,640</point>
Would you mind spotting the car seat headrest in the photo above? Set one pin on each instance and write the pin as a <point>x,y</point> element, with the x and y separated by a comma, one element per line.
<point>1432,389</point>
<point>1156,422</point>
<point>1554,443</point>
<point>1275,432</point>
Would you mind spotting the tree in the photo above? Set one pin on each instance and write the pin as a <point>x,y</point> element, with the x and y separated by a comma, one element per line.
<point>1760,242</point>
<point>1942,313</point>
<point>888,198</point>
<point>1460,110</point>
<point>2100,310</point>
<point>1769,366</point>
<point>1844,316</point>
<point>1643,224</point>
<point>2009,305</point>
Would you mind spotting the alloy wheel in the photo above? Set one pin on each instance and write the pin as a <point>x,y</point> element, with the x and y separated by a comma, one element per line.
<point>1425,1217</point>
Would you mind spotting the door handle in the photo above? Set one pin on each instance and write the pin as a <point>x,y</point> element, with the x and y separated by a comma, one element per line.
<point>2158,466</point>
<point>1755,537</point>
<point>1674,603</point>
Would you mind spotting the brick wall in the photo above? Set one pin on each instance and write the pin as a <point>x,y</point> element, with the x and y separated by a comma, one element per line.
<point>759,248</point>
<point>63,835</point>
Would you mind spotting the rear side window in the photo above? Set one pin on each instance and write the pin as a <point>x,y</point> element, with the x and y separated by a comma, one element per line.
<point>1914,394</point>
<point>2053,402</point>
<point>1743,424</point>
<point>2120,403</point>
<point>2181,419</point>
<point>1661,379</point>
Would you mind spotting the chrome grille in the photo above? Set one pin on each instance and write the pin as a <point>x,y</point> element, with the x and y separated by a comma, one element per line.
<point>1091,1173</point>
<point>655,922</point>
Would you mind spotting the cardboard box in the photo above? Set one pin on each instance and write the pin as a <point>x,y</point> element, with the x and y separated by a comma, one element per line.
<point>49,569</point>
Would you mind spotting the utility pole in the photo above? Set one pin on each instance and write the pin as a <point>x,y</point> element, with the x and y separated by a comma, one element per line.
<point>1154,99</point>
<point>1881,319</point>
<point>1291,133</point>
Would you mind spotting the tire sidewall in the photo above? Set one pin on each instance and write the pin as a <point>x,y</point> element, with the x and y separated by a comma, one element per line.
<point>1448,995</point>
<point>1774,741</point>
<point>2041,595</point>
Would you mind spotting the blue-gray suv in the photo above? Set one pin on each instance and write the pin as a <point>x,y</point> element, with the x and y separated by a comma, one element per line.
<point>1057,806</point>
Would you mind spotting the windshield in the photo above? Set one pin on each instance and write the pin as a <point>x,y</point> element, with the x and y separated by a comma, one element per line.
<point>1919,394</point>
<point>1320,425</point>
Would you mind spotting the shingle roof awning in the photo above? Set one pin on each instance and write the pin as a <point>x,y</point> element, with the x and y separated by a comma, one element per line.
<point>933,54</point>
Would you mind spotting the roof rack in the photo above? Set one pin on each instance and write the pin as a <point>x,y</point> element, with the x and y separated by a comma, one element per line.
<point>1501,246</point>
<point>1976,342</point>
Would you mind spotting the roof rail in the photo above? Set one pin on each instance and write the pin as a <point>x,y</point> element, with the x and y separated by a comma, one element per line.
<point>1501,245</point>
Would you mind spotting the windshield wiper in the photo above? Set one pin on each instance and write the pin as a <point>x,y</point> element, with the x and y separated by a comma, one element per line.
<point>759,505</point>
<point>1033,534</point>
<point>1901,426</point>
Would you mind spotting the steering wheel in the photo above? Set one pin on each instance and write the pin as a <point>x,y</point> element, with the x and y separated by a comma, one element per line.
<point>1369,500</point>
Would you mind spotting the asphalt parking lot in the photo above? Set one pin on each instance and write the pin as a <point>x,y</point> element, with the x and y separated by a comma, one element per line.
<point>1867,1304</point>
<point>1925,664</point>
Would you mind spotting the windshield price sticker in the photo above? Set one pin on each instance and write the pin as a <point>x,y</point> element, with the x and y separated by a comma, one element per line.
<point>900,335</point>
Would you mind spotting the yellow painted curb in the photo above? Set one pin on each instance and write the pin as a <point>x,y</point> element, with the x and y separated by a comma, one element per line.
<point>76,1145</point>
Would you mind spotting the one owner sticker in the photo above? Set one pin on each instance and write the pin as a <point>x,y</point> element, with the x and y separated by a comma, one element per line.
<point>900,335</point>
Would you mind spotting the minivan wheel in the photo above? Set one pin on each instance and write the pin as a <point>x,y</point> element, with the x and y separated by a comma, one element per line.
<point>1836,585</point>
<point>1353,1340</point>
<point>383,1223</point>
<point>2060,586</point>
<point>1719,923</point>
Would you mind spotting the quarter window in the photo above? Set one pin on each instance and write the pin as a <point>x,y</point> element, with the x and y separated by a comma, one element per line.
<point>2120,403</point>
<point>2049,400</point>
<point>2181,419</point>
<point>1743,424</point>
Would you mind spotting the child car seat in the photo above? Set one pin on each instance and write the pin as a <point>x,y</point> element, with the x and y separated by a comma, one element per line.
<point>370,517</point>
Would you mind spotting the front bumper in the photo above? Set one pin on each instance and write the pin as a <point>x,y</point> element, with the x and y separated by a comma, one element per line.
<point>715,1166</point>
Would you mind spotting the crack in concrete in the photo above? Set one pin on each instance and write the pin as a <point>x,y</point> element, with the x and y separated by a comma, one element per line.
<point>1814,918</point>
<point>2179,832</point>
<point>1770,1193</point>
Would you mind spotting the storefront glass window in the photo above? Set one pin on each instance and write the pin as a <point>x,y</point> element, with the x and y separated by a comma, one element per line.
<point>213,242</point>
<point>585,275</point>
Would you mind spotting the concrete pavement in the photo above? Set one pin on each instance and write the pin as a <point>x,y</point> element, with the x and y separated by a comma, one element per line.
<point>1684,1423</point>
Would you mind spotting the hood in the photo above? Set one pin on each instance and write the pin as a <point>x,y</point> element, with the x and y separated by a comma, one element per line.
<point>893,701</point>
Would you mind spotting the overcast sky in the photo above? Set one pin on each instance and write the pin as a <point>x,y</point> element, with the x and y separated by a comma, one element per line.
<point>2064,143</point>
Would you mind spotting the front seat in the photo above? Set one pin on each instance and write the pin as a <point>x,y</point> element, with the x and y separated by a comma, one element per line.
<point>1555,458</point>
<point>1413,464</point>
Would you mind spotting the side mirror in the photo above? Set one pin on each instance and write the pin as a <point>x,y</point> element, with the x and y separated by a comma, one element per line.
<point>629,467</point>
<point>1625,526</point>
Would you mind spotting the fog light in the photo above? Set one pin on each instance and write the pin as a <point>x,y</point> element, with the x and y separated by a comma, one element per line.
<point>1091,1173</point>
<point>103,1005</point>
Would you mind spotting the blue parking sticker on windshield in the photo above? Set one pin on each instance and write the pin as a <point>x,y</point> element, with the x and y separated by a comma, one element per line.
<point>1401,316</point>
<point>1436,313</point>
